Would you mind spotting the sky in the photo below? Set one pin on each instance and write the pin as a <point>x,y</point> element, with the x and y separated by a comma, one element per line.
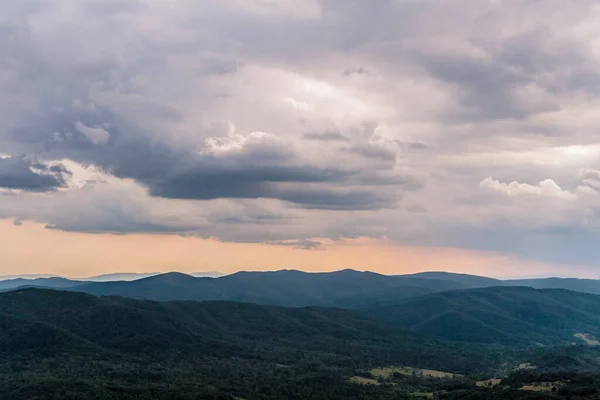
<point>389,135</point>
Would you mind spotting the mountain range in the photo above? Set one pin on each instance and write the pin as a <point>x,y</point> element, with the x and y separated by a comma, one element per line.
<point>456,307</point>
<point>48,281</point>
<point>346,288</point>
<point>294,335</point>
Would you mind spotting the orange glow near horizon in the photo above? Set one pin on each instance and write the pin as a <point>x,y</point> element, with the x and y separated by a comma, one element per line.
<point>32,249</point>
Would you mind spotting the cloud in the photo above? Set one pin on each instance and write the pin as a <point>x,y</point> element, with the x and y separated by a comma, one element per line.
<point>96,135</point>
<point>547,188</point>
<point>306,244</point>
<point>591,174</point>
<point>284,120</point>
<point>356,71</point>
<point>325,136</point>
<point>19,173</point>
<point>373,152</point>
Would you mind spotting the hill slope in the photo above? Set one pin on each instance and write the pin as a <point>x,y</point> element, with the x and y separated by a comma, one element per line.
<point>142,326</point>
<point>499,315</point>
<point>54,344</point>
<point>59,345</point>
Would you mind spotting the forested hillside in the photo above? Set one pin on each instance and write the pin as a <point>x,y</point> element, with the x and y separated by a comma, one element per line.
<point>508,315</point>
<point>60,341</point>
<point>58,344</point>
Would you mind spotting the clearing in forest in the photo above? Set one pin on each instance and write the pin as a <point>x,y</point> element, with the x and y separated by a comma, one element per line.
<point>386,372</point>
<point>542,386</point>
<point>588,339</point>
<point>489,382</point>
<point>364,381</point>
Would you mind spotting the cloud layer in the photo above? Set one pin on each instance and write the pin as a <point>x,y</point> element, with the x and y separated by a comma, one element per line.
<point>448,123</point>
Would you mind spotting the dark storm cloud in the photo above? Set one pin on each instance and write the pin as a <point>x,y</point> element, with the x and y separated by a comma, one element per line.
<point>169,170</point>
<point>260,170</point>
<point>221,178</point>
<point>22,174</point>
<point>215,180</point>
<point>328,199</point>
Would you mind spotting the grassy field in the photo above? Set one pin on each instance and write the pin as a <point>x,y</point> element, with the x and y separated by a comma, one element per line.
<point>364,381</point>
<point>525,366</point>
<point>489,382</point>
<point>542,386</point>
<point>588,339</point>
<point>422,395</point>
<point>386,372</point>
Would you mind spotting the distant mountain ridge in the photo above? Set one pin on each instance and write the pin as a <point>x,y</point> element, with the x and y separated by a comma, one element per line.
<point>122,276</point>
<point>347,288</point>
<point>56,282</point>
<point>132,276</point>
<point>28,276</point>
<point>285,288</point>
<point>53,282</point>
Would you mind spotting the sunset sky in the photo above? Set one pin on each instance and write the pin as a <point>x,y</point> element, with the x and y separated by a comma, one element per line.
<point>390,135</point>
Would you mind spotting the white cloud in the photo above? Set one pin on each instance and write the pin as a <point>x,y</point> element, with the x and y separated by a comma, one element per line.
<point>546,188</point>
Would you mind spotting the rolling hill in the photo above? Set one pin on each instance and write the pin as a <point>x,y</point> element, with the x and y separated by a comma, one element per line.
<point>128,325</point>
<point>508,315</point>
<point>53,343</point>
<point>60,344</point>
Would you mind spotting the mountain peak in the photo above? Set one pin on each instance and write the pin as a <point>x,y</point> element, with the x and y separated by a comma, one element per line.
<point>350,271</point>
<point>170,277</point>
